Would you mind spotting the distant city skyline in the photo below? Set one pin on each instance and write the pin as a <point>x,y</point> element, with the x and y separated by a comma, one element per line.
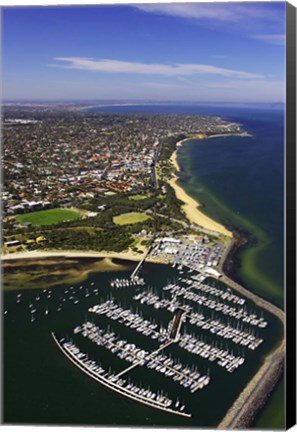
<point>207,52</point>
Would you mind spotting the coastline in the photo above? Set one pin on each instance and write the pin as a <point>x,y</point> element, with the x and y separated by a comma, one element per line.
<point>191,206</point>
<point>241,134</point>
<point>108,256</point>
<point>253,398</point>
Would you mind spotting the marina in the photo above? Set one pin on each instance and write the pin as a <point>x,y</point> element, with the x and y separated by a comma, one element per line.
<point>126,282</point>
<point>189,342</point>
<point>148,337</point>
<point>180,298</point>
<point>188,377</point>
<point>95,371</point>
<point>237,333</point>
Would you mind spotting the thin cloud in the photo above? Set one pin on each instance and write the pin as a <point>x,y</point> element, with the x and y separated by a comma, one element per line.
<point>276,39</point>
<point>117,66</point>
<point>193,11</point>
<point>231,12</point>
<point>164,86</point>
<point>233,17</point>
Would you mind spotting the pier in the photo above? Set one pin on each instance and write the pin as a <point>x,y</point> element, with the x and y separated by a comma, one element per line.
<point>139,265</point>
<point>177,323</point>
<point>178,372</point>
<point>133,366</point>
<point>224,330</point>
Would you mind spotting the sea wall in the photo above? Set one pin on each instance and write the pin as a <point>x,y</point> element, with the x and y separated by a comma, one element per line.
<point>256,394</point>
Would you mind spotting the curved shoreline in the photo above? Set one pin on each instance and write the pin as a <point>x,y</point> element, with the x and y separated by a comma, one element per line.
<point>191,206</point>
<point>128,256</point>
<point>255,395</point>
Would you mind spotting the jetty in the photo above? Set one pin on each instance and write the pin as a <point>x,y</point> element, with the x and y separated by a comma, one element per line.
<point>183,374</point>
<point>139,265</point>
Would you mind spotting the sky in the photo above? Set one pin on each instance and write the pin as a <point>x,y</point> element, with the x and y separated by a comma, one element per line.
<point>198,52</point>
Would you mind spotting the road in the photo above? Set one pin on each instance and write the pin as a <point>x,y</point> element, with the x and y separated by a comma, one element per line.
<point>154,175</point>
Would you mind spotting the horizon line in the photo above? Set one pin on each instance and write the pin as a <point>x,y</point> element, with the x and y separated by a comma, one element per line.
<point>149,101</point>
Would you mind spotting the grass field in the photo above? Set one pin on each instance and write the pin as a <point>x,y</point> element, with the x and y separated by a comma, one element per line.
<point>130,218</point>
<point>48,217</point>
<point>137,197</point>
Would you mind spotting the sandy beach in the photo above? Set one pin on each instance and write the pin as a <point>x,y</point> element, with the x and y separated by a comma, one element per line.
<point>128,256</point>
<point>72,254</point>
<point>190,206</point>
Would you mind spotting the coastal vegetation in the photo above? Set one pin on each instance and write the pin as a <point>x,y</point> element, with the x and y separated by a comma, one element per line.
<point>111,230</point>
<point>109,240</point>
